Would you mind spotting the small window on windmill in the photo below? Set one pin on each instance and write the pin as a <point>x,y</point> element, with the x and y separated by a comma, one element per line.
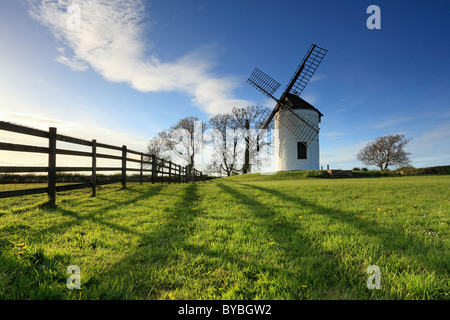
<point>301,150</point>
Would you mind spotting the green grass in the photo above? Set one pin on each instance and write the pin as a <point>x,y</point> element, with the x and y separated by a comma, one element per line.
<point>246,237</point>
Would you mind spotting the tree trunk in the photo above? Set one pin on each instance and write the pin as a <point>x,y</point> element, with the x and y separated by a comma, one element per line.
<point>246,166</point>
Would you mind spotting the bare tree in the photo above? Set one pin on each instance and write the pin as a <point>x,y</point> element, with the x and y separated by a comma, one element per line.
<point>157,148</point>
<point>184,139</point>
<point>226,144</point>
<point>246,119</point>
<point>385,151</point>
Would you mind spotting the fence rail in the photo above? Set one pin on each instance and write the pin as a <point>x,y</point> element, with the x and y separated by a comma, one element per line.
<point>158,168</point>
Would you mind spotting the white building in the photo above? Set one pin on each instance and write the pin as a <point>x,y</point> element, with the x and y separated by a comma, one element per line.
<point>291,153</point>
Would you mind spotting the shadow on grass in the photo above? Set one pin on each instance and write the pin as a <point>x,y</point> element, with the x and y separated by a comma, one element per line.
<point>158,250</point>
<point>387,238</point>
<point>155,270</point>
<point>150,269</point>
<point>94,214</point>
<point>342,278</point>
<point>37,275</point>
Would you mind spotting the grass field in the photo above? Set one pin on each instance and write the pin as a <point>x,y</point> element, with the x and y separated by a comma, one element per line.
<point>245,237</point>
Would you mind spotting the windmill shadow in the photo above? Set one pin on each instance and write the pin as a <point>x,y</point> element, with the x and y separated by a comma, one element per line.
<point>367,227</point>
<point>338,285</point>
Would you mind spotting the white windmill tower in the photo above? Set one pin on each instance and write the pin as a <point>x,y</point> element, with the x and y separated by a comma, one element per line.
<point>296,121</point>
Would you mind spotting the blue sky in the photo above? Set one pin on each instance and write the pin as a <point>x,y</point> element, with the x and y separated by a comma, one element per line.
<point>132,69</point>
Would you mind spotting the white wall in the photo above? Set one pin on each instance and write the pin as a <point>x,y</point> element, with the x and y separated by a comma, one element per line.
<point>286,146</point>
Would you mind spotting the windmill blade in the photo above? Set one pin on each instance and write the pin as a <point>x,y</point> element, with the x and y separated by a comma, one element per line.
<point>268,86</point>
<point>263,83</point>
<point>265,121</point>
<point>305,70</point>
<point>265,113</point>
<point>303,129</point>
<point>264,132</point>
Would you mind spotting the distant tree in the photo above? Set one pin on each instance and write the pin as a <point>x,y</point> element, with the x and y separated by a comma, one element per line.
<point>184,139</point>
<point>157,148</point>
<point>385,151</point>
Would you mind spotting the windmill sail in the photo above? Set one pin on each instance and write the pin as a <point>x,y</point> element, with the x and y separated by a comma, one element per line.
<point>265,113</point>
<point>300,127</point>
<point>305,70</point>
<point>263,83</point>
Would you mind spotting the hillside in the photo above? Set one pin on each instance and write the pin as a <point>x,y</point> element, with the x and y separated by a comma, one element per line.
<point>294,175</point>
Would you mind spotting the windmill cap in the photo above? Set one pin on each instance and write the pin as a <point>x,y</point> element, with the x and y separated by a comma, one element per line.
<point>295,102</point>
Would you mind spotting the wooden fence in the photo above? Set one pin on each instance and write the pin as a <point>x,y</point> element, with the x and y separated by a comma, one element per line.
<point>159,169</point>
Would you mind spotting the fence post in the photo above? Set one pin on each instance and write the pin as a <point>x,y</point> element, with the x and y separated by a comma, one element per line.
<point>162,170</point>
<point>51,179</point>
<point>153,168</point>
<point>179,174</point>
<point>124,167</point>
<point>94,168</point>
<point>170,171</point>
<point>142,167</point>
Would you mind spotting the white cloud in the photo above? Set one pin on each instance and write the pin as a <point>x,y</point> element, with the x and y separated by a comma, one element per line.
<point>109,39</point>
<point>395,121</point>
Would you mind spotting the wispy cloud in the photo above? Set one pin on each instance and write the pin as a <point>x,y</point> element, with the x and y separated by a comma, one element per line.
<point>438,135</point>
<point>311,98</point>
<point>73,64</point>
<point>110,40</point>
<point>431,147</point>
<point>342,156</point>
<point>318,77</point>
<point>30,118</point>
<point>334,135</point>
<point>341,101</point>
<point>342,110</point>
<point>344,99</point>
<point>395,121</point>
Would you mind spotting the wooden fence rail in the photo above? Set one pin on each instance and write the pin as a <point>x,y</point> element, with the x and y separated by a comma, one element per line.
<point>159,168</point>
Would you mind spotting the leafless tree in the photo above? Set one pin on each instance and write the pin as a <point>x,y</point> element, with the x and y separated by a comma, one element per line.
<point>247,120</point>
<point>157,148</point>
<point>226,144</point>
<point>385,151</point>
<point>184,139</point>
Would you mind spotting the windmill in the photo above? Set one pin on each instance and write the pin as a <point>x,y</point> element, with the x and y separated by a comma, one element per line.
<point>297,121</point>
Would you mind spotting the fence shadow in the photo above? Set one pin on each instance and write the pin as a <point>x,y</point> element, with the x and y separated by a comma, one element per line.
<point>93,215</point>
<point>158,249</point>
